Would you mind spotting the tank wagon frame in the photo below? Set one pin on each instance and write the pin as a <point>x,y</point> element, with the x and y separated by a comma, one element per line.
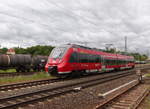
<point>72,59</point>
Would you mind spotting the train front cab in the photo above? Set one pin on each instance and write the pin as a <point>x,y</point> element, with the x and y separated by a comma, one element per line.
<point>56,60</point>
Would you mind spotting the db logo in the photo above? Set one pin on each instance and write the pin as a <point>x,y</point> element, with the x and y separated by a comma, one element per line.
<point>53,61</point>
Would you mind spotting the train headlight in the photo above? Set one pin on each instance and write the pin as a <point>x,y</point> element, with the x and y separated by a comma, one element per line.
<point>60,61</point>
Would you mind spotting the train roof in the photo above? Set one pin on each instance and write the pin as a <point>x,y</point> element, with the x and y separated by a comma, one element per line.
<point>80,46</point>
<point>105,54</point>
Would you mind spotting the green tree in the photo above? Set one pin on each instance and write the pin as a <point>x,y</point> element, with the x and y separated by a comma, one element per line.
<point>3,50</point>
<point>35,50</point>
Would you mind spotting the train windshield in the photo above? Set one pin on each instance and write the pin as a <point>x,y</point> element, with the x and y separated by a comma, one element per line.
<point>58,52</point>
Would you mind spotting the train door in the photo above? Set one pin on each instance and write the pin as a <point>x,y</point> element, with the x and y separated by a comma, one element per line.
<point>103,63</point>
<point>74,61</point>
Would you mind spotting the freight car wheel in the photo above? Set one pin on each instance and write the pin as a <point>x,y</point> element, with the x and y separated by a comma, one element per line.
<point>22,70</point>
<point>77,73</point>
<point>34,69</point>
<point>17,69</point>
<point>28,70</point>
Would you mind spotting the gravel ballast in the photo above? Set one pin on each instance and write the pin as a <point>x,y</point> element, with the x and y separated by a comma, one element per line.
<point>85,99</point>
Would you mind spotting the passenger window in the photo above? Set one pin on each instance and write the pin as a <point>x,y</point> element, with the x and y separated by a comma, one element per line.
<point>97,59</point>
<point>73,57</point>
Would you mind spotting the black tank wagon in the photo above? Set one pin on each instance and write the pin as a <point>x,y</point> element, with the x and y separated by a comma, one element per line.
<point>22,62</point>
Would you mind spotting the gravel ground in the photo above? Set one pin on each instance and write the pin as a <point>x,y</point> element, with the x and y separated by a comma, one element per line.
<point>85,99</point>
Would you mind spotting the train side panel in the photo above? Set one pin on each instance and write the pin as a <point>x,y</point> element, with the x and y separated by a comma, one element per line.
<point>76,59</point>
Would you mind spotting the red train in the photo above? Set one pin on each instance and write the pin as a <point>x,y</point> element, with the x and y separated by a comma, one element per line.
<point>72,59</point>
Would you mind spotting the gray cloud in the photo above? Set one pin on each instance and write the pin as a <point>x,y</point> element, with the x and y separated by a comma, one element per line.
<point>95,23</point>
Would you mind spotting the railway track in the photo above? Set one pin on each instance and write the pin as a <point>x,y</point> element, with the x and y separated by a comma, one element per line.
<point>27,84</point>
<point>28,98</point>
<point>128,100</point>
<point>41,82</point>
<point>45,81</point>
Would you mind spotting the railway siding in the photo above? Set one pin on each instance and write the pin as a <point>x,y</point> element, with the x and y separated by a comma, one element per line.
<point>129,100</point>
<point>114,93</point>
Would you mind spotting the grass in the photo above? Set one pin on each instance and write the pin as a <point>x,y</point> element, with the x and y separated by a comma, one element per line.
<point>8,71</point>
<point>37,76</point>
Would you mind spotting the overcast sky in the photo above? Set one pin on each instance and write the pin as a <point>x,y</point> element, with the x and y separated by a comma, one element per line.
<point>93,22</point>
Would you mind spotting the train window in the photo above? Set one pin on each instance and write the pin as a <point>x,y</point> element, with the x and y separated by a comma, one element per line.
<point>100,59</point>
<point>118,62</point>
<point>87,57</point>
<point>58,52</point>
<point>73,57</point>
<point>82,58</point>
<point>97,59</point>
<point>110,62</point>
<point>107,62</point>
<point>94,58</point>
<point>113,62</point>
<point>90,58</point>
<point>79,57</point>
